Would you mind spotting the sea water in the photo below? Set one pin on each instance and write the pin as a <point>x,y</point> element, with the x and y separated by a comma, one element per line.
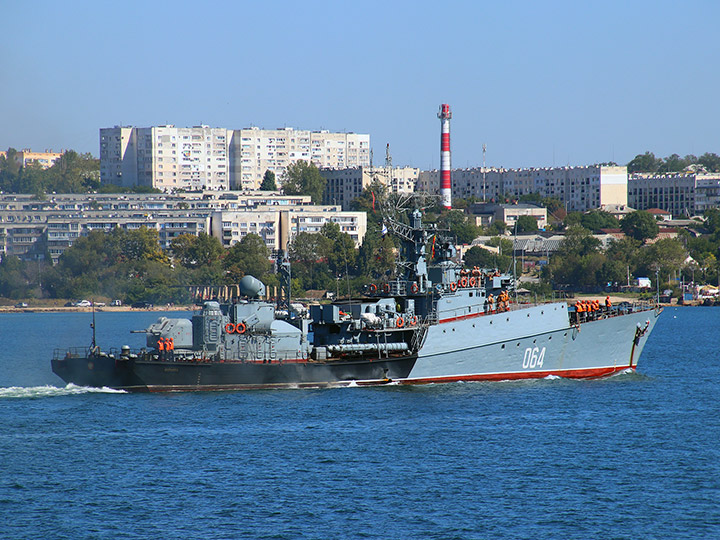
<point>634,456</point>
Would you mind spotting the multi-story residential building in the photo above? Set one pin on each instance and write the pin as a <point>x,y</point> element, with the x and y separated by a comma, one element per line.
<point>278,226</point>
<point>579,188</point>
<point>201,157</point>
<point>682,194</point>
<point>344,185</point>
<point>31,228</point>
<point>165,157</point>
<point>253,151</point>
<point>27,157</point>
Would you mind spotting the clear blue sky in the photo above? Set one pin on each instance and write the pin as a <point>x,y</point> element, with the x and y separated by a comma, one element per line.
<point>540,83</point>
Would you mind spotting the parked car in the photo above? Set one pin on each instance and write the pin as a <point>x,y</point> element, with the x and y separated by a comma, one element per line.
<point>21,304</point>
<point>142,305</point>
<point>116,303</point>
<point>83,303</point>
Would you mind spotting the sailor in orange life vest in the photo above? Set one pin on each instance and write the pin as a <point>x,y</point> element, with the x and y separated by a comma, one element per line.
<point>489,303</point>
<point>608,303</point>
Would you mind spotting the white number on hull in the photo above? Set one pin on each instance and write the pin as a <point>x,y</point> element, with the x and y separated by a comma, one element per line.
<point>533,358</point>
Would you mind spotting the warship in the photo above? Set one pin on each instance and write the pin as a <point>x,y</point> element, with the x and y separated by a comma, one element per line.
<point>432,322</point>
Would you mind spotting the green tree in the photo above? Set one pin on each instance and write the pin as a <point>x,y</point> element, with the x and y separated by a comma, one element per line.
<point>250,256</point>
<point>595,220</point>
<point>196,251</point>
<point>710,161</point>
<point>268,182</point>
<point>646,162</point>
<point>483,258</point>
<point>303,178</point>
<point>640,225</point>
<point>526,224</point>
<point>496,227</point>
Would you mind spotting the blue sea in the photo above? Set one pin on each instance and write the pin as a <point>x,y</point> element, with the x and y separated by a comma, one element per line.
<point>635,456</point>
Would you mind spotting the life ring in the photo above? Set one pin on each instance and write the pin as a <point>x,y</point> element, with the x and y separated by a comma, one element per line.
<point>400,322</point>
<point>240,328</point>
<point>373,288</point>
<point>229,328</point>
<point>463,282</point>
<point>473,282</point>
<point>453,286</point>
<point>413,320</point>
<point>386,288</point>
<point>414,288</point>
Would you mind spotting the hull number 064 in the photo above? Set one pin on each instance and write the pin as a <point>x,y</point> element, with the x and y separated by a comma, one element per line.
<point>533,357</point>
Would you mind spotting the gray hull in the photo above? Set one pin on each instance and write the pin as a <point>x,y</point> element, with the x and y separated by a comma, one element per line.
<point>534,342</point>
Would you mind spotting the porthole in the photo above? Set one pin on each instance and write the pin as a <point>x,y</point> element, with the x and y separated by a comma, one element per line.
<point>518,344</point>
<point>502,346</point>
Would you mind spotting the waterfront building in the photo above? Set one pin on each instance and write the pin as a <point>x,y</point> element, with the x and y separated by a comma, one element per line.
<point>27,157</point>
<point>578,188</point>
<point>344,185</point>
<point>253,151</point>
<point>31,228</point>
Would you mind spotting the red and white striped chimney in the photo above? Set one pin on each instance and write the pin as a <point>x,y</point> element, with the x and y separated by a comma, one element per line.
<point>445,182</point>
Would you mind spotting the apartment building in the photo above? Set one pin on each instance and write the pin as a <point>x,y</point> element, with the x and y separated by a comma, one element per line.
<point>579,188</point>
<point>278,226</point>
<point>33,229</point>
<point>27,157</point>
<point>253,151</point>
<point>682,194</point>
<point>165,157</point>
<point>344,185</point>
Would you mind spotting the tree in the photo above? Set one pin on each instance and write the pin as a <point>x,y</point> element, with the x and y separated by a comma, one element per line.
<point>460,226</point>
<point>496,227</point>
<point>250,256</point>
<point>303,178</point>
<point>526,224</point>
<point>268,183</point>
<point>710,161</point>
<point>646,162</point>
<point>640,225</point>
<point>595,220</point>
<point>484,258</point>
<point>196,251</point>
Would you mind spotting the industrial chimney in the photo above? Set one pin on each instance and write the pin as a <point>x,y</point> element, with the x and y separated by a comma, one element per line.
<point>445,182</point>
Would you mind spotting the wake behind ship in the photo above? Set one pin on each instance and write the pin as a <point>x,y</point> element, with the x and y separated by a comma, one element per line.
<point>434,322</point>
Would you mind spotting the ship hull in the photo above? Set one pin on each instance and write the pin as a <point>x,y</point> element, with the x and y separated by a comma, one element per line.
<point>166,376</point>
<point>488,347</point>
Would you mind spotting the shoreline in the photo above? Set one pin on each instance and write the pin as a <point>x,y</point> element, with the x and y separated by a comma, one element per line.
<point>75,309</point>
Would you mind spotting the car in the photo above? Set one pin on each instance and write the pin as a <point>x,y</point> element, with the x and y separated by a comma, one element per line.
<point>142,305</point>
<point>21,304</point>
<point>83,303</point>
<point>116,303</point>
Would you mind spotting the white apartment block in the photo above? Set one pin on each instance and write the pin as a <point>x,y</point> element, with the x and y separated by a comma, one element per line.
<point>30,228</point>
<point>253,151</point>
<point>682,194</point>
<point>344,185</point>
<point>278,226</point>
<point>579,188</point>
<point>165,157</point>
